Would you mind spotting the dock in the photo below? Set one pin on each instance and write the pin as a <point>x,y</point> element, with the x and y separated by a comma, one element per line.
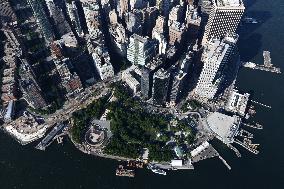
<point>266,106</point>
<point>224,161</point>
<point>244,133</point>
<point>248,145</point>
<point>50,137</point>
<point>256,126</point>
<point>238,154</point>
<point>267,66</point>
<point>59,139</point>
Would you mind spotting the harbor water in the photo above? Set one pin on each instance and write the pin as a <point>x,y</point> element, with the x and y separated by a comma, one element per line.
<point>62,166</point>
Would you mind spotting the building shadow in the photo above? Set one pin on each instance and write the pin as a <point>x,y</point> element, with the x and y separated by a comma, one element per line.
<point>246,29</point>
<point>249,3</point>
<point>249,47</point>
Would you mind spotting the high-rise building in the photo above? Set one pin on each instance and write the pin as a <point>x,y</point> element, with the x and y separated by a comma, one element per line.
<point>176,32</point>
<point>161,81</point>
<point>224,18</point>
<point>70,81</point>
<point>102,63</point>
<point>31,91</point>
<point>136,4</point>
<point>164,7</point>
<point>12,38</point>
<point>72,11</point>
<point>42,19</point>
<point>150,14</point>
<point>92,16</point>
<point>6,12</point>
<point>56,13</point>
<point>131,81</point>
<point>180,74</point>
<point>133,23</point>
<point>122,7</point>
<point>217,59</point>
<point>145,83</point>
<point>118,38</point>
<point>193,23</point>
<point>140,49</point>
<point>112,17</point>
<point>158,34</point>
<point>176,13</point>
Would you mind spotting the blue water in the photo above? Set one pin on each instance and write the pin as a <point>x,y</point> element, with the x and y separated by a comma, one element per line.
<point>65,167</point>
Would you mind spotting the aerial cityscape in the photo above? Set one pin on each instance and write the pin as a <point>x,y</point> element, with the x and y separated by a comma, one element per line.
<point>149,83</point>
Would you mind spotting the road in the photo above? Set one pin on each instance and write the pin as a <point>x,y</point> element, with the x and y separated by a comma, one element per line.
<point>82,100</point>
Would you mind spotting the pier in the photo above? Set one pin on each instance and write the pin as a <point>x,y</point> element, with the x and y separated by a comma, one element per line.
<point>238,154</point>
<point>267,66</point>
<point>50,137</point>
<point>247,145</point>
<point>244,133</point>
<point>256,126</point>
<point>266,106</point>
<point>224,161</point>
<point>59,139</point>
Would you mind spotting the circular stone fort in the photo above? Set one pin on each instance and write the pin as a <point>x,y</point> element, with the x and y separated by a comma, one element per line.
<point>96,135</point>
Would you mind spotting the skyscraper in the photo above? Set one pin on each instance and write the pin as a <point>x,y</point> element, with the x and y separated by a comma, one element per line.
<point>140,50</point>
<point>216,60</point>
<point>31,91</point>
<point>224,18</point>
<point>145,83</point>
<point>92,16</point>
<point>74,17</point>
<point>6,12</point>
<point>61,24</point>
<point>122,7</point>
<point>42,19</point>
<point>164,7</point>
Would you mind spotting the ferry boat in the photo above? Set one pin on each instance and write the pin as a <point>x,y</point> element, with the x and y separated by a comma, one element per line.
<point>156,170</point>
<point>249,20</point>
<point>249,64</point>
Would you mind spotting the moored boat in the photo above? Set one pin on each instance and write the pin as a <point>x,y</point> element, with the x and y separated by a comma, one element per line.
<point>122,172</point>
<point>156,170</point>
<point>249,20</point>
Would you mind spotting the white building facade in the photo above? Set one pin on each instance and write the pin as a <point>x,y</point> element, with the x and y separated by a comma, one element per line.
<point>224,18</point>
<point>140,49</point>
<point>216,57</point>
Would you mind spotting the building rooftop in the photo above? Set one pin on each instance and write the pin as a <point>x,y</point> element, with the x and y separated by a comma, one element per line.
<point>231,3</point>
<point>224,126</point>
<point>237,102</point>
<point>140,38</point>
